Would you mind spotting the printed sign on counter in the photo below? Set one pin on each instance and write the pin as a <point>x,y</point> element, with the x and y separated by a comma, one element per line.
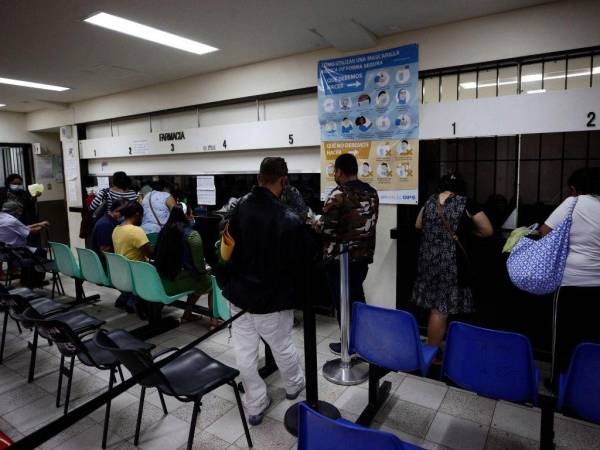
<point>368,106</point>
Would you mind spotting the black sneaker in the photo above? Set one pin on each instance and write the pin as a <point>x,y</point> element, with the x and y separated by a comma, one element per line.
<point>336,348</point>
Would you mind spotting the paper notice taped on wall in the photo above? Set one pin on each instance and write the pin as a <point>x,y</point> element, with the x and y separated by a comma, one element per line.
<point>207,197</point>
<point>205,182</point>
<point>140,147</point>
<point>103,183</point>
<point>72,191</point>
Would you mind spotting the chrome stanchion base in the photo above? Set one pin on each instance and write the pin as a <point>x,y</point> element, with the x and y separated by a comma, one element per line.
<point>346,374</point>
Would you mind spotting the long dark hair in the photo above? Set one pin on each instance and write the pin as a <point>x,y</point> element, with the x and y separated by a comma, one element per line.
<point>169,247</point>
<point>586,181</point>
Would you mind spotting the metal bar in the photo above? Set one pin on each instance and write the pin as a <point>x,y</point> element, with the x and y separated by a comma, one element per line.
<point>344,305</point>
<point>539,164</point>
<point>566,71</point>
<point>548,405</point>
<point>377,395</point>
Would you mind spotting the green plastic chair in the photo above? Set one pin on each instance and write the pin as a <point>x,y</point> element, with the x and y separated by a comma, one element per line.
<point>91,267</point>
<point>152,238</point>
<point>119,272</point>
<point>65,261</point>
<point>221,307</point>
<point>148,285</point>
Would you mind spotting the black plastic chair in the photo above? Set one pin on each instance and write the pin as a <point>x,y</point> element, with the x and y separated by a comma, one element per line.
<point>72,346</point>
<point>187,378</point>
<point>24,293</point>
<point>44,308</point>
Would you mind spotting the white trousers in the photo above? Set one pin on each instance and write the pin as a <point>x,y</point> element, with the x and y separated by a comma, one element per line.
<point>276,330</point>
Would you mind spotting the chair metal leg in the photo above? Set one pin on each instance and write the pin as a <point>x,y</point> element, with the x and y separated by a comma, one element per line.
<point>238,399</point>
<point>33,355</point>
<point>5,324</point>
<point>162,402</point>
<point>68,393</point>
<point>60,376</point>
<point>19,327</point>
<point>195,412</point>
<point>107,413</point>
<point>121,373</point>
<point>136,439</point>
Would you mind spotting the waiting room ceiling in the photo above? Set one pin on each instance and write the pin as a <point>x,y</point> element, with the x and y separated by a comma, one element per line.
<point>47,42</point>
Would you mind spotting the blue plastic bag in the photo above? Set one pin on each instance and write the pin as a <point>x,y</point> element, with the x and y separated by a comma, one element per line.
<point>537,267</point>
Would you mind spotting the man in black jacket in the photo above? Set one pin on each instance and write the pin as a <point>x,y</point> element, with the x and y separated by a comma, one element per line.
<point>266,278</point>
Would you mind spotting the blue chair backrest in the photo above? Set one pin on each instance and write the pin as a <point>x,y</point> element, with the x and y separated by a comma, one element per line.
<point>580,388</point>
<point>386,337</point>
<point>497,364</point>
<point>317,432</point>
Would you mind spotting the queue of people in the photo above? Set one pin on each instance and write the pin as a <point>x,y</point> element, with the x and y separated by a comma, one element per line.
<point>274,245</point>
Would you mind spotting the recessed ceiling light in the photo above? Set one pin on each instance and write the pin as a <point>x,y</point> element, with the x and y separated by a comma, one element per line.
<point>131,28</point>
<point>31,84</point>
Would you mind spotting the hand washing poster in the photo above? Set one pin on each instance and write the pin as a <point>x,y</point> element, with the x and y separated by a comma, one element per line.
<point>369,106</point>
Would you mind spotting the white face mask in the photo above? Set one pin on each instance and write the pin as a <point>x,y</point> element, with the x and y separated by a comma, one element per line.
<point>16,187</point>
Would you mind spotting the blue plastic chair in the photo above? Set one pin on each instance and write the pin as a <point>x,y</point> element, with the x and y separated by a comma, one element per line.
<point>496,364</point>
<point>579,389</point>
<point>389,338</point>
<point>317,432</point>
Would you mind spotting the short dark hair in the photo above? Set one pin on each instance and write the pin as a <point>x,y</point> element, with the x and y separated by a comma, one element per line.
<point>453,182</point>
<point>586,181</point>
<point>131,209</point>
<point>272,168</point>
<point>162,184</point>
<point>347,164</point>
<point>118,204</point>
<point>12,177</point>
<point>121,180</point>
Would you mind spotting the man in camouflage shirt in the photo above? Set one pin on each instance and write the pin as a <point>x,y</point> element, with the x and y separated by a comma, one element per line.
<point>349,216</point>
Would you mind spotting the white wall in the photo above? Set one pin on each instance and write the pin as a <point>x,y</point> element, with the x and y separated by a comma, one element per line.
<point>13,130</point>
<point>546,28</point>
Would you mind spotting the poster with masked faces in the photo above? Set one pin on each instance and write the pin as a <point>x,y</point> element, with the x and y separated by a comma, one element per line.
<point>369,106</point>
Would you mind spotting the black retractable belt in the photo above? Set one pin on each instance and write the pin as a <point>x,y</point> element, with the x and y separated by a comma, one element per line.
<point>47,432</point>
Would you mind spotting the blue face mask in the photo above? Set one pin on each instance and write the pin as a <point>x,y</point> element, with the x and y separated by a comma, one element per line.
<point>121,219</point>
<point>193,223</point>
<point>16,187</point>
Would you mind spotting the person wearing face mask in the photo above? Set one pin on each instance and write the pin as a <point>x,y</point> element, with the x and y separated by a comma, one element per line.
<point>266,277</point>
<point>179,259</point>
<point>349,216</point>
<point>16,191</point>
<point>14,233</point>
<point>129,239</point>
<point>103,230</point>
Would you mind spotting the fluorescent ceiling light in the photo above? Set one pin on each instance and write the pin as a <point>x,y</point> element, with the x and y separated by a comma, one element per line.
<point>131,28</point>
<point>31,84</point>
<point>536,91</point>
<point>2,104</point>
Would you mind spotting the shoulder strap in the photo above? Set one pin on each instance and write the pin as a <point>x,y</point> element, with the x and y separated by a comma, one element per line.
<point>152,209</point>
<point>446,224</point>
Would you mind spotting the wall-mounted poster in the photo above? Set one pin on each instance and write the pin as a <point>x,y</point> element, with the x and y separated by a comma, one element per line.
<point>368,106</point>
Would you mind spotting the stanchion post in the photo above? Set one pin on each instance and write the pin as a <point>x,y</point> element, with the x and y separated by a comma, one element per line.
<point>346,371</point>
<point>310,362</point>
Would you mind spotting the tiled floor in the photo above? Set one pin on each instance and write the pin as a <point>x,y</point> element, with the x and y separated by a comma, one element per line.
<point>421,411</point>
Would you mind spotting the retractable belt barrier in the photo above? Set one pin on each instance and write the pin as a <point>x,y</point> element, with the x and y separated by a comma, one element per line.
<point>53,428</point>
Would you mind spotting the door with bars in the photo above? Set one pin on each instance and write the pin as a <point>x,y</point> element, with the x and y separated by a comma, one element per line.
<point>15,159</point>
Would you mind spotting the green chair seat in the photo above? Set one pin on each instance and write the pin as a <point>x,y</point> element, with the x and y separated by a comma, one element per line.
<point>91,267</point>
<point>119,272</point>
<point>221,306</point>
<point>65,261</point>
<point>148,285</point>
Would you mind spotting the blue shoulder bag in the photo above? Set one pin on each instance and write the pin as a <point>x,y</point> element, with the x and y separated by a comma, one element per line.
<point>538,266</point>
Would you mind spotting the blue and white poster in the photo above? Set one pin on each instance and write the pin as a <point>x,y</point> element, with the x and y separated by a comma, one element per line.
<point>369,106</point>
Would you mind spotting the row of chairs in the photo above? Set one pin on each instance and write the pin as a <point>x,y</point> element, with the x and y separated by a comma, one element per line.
<point>188,378</point>
<point>492,363</point>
